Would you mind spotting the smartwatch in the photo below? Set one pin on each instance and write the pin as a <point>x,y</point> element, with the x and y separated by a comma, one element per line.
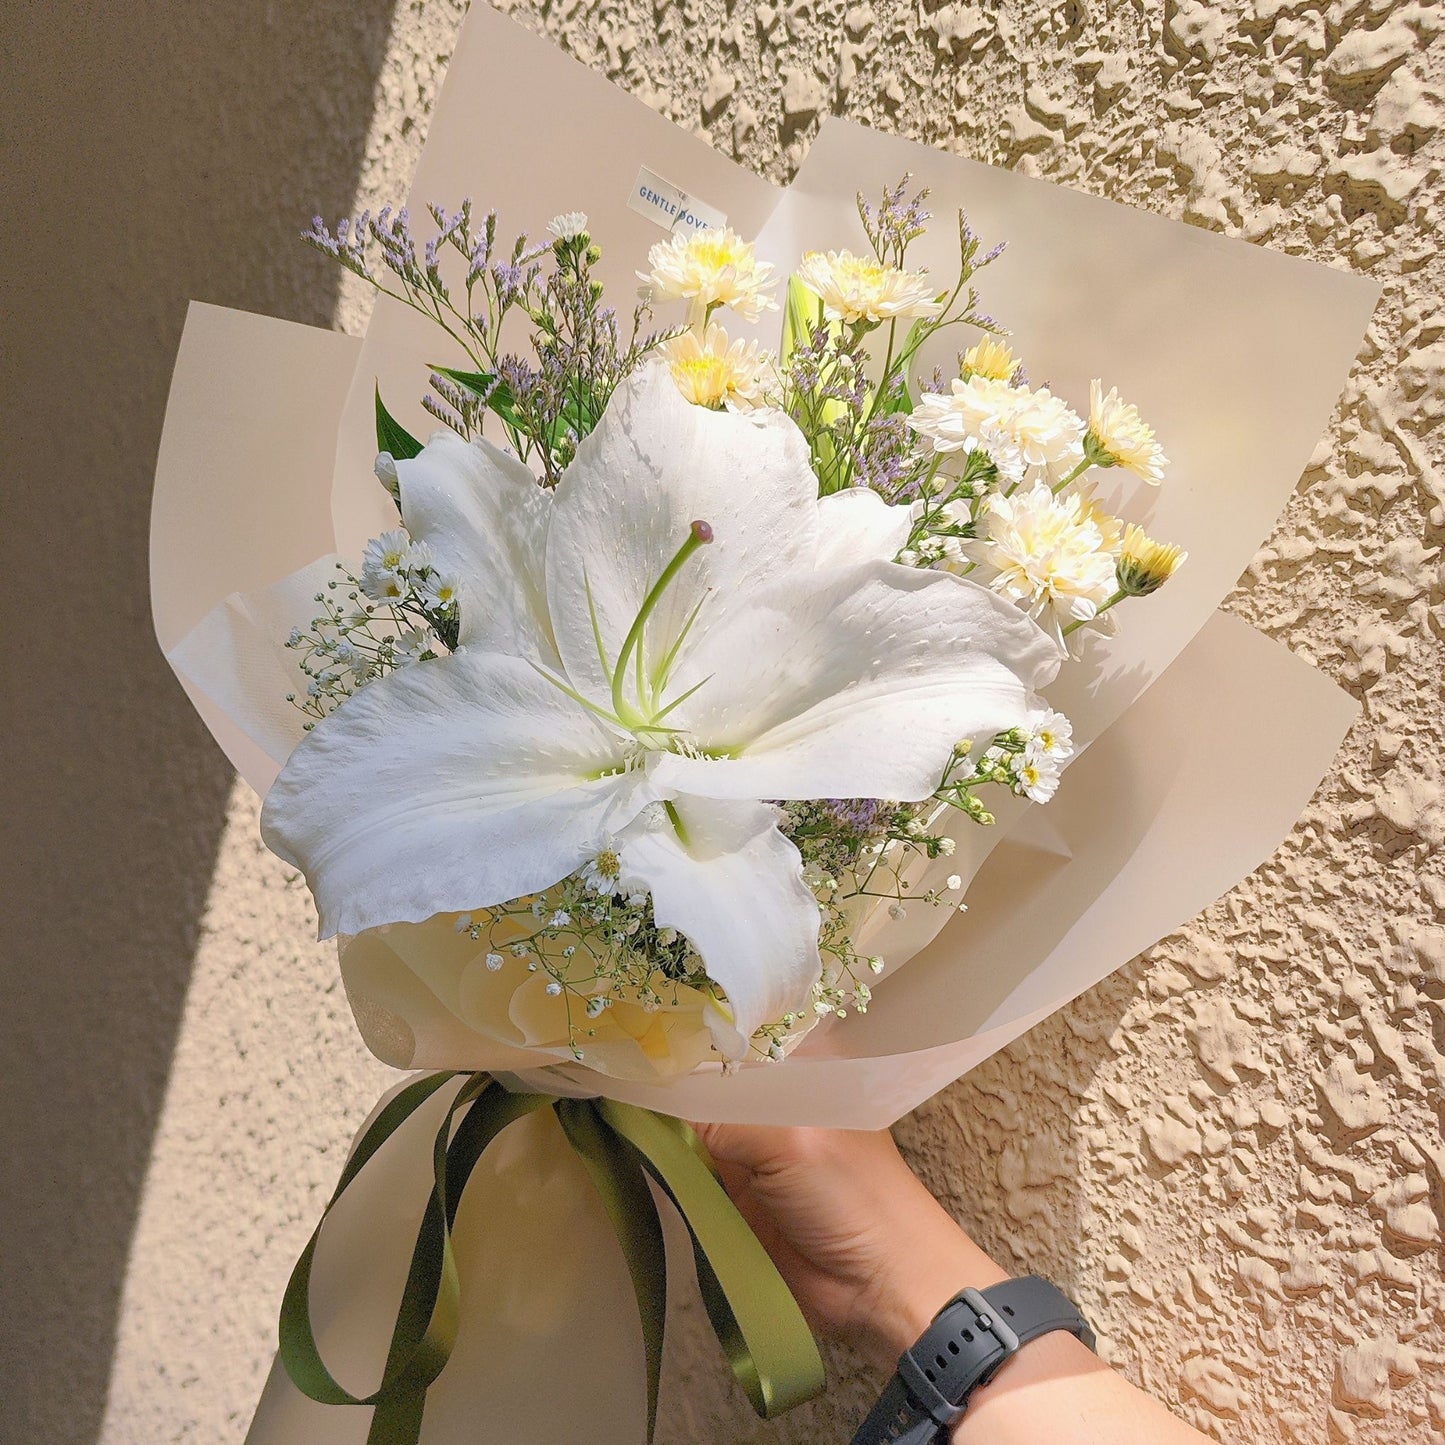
<point>970,1338</point>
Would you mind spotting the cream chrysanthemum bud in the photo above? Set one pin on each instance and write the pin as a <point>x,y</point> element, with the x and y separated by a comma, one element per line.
<point>716,372</point>
<point>859,288</point>
<point>1146,565</point>
<point>710,268</point>
<point>989,358</point>
<point>1118,437</point>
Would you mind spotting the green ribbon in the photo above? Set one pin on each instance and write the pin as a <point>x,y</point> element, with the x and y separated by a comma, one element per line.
<point>756,1319</point>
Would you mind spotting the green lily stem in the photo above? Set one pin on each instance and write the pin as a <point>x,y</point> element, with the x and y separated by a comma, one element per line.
<point>699,535</point>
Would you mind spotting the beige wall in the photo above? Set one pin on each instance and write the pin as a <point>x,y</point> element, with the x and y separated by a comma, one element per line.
<point>1230,1151</point>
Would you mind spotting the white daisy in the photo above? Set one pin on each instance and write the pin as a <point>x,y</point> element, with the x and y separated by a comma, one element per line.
<point>1051,735</point>
<point>1037,776</point>
<point>438,589</point>
<point>384,565</point>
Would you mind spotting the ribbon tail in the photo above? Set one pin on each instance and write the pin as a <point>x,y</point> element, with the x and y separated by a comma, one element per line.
<point>622,1183</point>
<point>757,1321</point>
<point>397,1420</point>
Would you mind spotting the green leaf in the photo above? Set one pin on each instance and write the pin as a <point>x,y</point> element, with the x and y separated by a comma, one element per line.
<point>391,436</point>
<point>798,312</point>
<point>486,386</point>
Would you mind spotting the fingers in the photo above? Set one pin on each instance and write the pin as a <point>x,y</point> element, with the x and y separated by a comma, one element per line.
<point>751,1146</point>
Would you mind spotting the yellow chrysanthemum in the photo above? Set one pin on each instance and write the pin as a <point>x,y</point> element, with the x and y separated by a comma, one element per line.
<point>1146,565</point>
<point>715,372</point>
<point>710,268</point>
<point>1118,437</point>
<point>858,288</point>
<point>989,358</point>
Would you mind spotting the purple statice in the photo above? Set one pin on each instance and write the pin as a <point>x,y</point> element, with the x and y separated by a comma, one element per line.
<point>885,459</point>
<point>897,223</point>
<point>827,392</point>
<point>382,250</point>
<point>347,244</point>
<point>860,817</point>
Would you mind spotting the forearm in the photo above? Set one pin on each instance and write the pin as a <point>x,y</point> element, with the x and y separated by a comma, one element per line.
<point>1057,1389</point>
<point>1054,1389</point>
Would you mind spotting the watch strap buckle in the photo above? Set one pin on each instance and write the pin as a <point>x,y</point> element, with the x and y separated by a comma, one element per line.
<point>988,1318</point>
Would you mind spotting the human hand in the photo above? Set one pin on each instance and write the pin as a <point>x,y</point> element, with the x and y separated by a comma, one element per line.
<point>871,1257</point>
<point>867,1251</point>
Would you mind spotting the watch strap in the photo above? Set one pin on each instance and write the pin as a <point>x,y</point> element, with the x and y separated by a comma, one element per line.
<point>964,1347</point>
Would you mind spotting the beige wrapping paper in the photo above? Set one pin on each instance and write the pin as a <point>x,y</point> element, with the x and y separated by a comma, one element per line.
<point>1236,354</point>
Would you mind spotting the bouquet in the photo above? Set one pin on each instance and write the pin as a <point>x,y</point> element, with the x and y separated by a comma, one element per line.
<point>699,660</point>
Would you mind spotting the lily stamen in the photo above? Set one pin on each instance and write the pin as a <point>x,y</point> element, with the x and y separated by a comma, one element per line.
<point>699,535</point>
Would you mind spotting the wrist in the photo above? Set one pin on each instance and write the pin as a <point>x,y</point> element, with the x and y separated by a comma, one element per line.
<point>910,1292</point>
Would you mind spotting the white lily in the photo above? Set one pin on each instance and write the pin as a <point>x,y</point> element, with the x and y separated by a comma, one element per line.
<point>680,632</point>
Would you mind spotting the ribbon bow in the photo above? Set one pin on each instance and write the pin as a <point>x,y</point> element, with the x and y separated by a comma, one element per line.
<point>755,1317</point>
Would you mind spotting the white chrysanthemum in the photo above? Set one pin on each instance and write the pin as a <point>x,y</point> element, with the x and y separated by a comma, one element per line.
<point>970,417</point>
<point>716,372</point>
<point>1048,431</point>
<point>1111,529</point>
<point>1045,552</point>
<point>1041,428</point>
<point>710,268</point>
<point>991,359</point>
<point>859,288</point>
<point>1118,436</point>
<point>1013,424</point>
<point>568,226</point>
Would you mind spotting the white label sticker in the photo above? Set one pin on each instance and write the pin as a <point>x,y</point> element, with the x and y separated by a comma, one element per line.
<point>671,207</point>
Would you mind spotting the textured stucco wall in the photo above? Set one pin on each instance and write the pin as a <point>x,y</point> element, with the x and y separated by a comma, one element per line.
<point>1231,1150</point>
<point>152,150</point>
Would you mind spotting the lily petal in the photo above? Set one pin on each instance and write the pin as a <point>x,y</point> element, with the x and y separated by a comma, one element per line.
<point>452,784</point>
<point>484,517</point>
<point>654,465</point>
<point>857,525</point>
<point>732,884</point>
<point>855,682</point>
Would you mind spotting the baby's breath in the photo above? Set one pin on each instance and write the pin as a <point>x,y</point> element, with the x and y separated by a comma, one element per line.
<point>354,640</point>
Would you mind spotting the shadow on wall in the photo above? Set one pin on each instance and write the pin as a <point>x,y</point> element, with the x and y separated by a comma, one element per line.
<point>155,151</point>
